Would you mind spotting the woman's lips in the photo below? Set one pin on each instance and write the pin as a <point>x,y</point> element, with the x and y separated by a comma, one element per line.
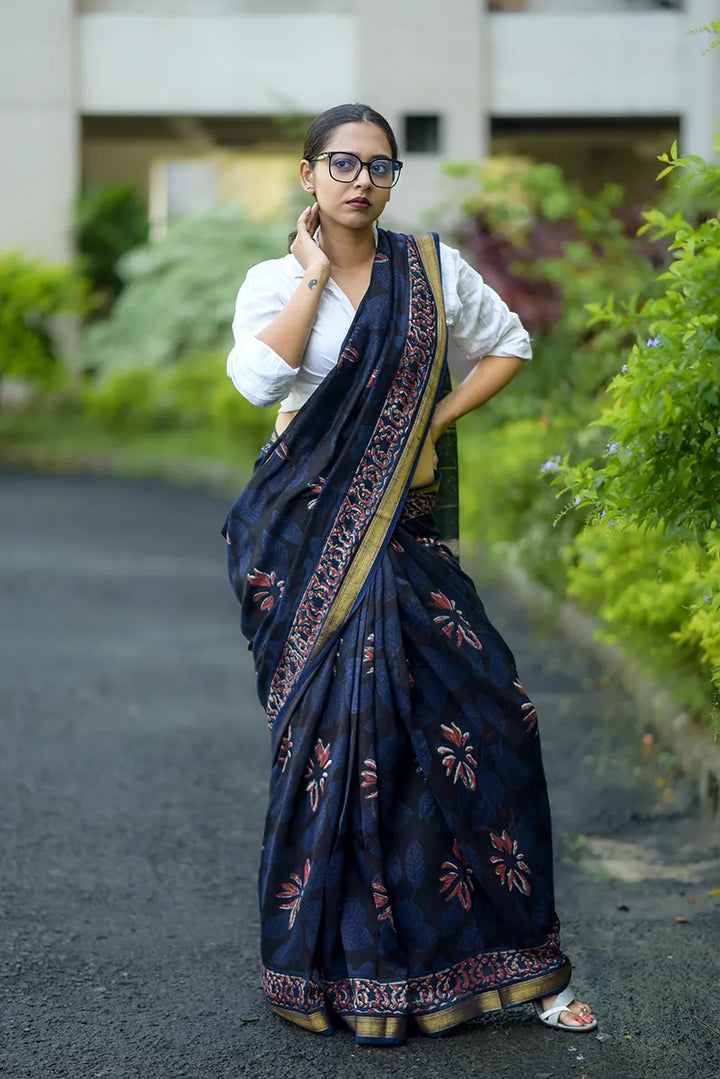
<point>361,202</point>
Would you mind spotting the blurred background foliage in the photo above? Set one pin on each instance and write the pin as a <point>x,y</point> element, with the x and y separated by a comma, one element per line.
<point>595,472</point>
<point>34,296</point>
<point>109,220</point>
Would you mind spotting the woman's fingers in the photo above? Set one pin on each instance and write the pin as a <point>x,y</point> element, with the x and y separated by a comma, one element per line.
<point>306,251</point>
<point>308,219</point>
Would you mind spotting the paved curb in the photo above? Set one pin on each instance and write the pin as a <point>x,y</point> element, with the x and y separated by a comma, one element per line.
<point>691,743</point>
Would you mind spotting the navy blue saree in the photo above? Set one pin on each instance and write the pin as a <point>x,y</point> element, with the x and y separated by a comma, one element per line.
<point>406,870</point>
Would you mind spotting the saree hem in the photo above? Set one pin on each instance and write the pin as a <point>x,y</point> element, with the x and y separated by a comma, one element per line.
<point>433,1021</point>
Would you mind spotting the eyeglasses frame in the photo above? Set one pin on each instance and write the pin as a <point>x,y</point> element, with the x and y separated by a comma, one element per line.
<point>363,165</point>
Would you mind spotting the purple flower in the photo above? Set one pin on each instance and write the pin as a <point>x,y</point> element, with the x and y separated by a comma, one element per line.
<point>550,465</point>
<point>653,342</point>
<point>613,447</point>
<point>577,500</point>
<point>706,599</point>
<point>624,369</point>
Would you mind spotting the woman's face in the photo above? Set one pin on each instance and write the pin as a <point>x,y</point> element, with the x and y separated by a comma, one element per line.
<point>359,203</point>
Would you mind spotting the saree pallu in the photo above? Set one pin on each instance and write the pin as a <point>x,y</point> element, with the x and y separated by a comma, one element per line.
<point>406,870</point>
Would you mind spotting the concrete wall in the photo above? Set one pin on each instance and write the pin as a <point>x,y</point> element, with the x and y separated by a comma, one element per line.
<point>38,126</point>
<point>212,7</point>
<point>587,64</point>
<point>701,81</point>
<point>213,65</point>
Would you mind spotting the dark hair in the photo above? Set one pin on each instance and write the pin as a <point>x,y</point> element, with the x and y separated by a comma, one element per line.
<point>322,127</point>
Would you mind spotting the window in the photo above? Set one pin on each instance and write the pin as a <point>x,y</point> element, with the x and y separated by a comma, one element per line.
<point>422,134</point>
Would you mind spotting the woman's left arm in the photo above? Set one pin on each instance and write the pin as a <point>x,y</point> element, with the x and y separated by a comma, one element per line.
<point>487,378</point>
<point>485,329</point>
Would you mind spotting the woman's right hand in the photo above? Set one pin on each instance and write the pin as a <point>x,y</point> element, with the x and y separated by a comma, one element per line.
<point>309,254</point>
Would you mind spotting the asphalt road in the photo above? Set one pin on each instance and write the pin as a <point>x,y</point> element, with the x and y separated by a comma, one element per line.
<point>133,759</point>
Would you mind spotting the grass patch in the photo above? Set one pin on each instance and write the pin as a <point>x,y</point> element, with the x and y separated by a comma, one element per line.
<point>60,442</point>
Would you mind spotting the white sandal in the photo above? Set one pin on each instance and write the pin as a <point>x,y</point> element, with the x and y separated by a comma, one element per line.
<point>551,1017</point>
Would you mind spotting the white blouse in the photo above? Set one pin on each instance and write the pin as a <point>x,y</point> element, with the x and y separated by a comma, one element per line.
<point>480,324</point>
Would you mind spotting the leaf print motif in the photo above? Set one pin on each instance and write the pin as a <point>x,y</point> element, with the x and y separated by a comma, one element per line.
<point>457,756</point>
<point>509,864</point>
<point>292,892</point>
<point>316,773</point>
<point>415,864</point>
<point>527,708</point>
<point>269,588</point>
<point>285,751</point>
<point>456,879</point>
<point>452,623</point>
<point>368,778</point>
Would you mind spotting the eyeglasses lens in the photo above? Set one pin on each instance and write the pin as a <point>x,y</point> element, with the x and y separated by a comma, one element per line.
<point>345,168</point>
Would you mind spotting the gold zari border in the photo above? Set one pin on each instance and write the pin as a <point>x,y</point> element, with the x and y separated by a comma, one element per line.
<point>378,528</point>
<point>317,1021</point>
<point>383,1027</point>
<point>493,1000</point>
<point>392,1027</point>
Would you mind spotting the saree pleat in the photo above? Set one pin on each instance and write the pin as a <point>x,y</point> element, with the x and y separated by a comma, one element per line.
<point>406,870</point>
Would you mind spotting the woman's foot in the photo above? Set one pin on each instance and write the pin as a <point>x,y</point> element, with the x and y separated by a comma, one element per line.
<point>575,1016</point>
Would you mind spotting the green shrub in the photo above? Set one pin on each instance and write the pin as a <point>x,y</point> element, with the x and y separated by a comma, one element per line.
<point>662,603</point>
<point>505,505</point>
<point>32,294</point>
<point>179,292</point>
<point>662,463</point>
<point>191,395</point>
<point>109,221</point>
<point>550,249</point>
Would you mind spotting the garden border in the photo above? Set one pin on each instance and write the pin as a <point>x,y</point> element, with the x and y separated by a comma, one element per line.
<point>697,753</point>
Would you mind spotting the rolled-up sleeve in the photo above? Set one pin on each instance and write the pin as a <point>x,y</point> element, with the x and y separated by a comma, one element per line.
<point>257,371</point>
<point>480,322</point>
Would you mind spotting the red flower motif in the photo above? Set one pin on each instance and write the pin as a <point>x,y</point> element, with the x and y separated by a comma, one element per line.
<point>369,778</point>
<point>285,752</point>
<point>316,773</point>
<point>457,757</point>
<point>315,489</point>
<point>452,623</point>
<point>382,903</point>
<point>527,708</point>
<point>456,881</point>
<point>292,891</point>
<point>509,863</point>
<point>369,653</point>
<point>270,586</point>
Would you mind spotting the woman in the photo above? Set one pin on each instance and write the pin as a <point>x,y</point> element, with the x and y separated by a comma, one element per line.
<point>406,870</point>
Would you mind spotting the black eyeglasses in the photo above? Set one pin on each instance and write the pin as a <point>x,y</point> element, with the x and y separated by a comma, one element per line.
<point>383,171</point>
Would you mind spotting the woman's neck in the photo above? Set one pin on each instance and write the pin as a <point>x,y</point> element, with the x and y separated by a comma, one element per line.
<point>348,249</point>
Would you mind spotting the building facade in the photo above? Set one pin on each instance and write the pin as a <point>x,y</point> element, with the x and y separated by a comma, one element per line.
<point>101,89</point>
